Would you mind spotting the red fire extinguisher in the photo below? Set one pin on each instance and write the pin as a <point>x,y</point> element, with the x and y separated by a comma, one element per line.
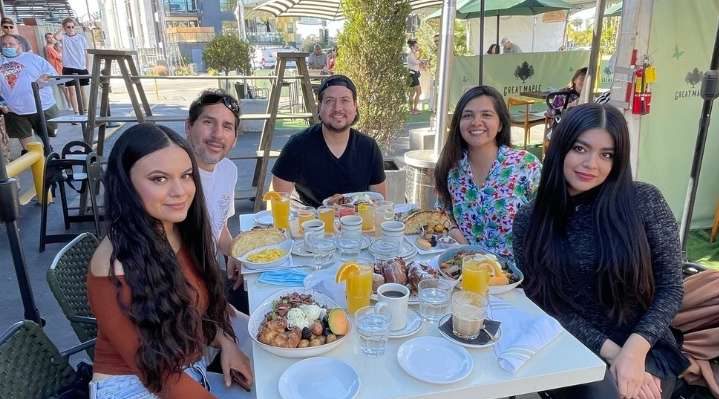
<point>644,76</point>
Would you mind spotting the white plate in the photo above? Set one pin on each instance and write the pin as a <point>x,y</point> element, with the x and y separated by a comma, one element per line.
<point>451,337</point>
<point>258,315</point>
<point>299,248</point>
<point>407,251</point>
<point>435,250</point>
<point>434,360</point>
<point>319,378</point>
<point>373,196</point>
<point>414,324</point>
<point>263,218</point>
<point>286,246</point>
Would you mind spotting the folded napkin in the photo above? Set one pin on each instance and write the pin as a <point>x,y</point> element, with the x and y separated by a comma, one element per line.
<point>286,278</point>
<point>324,282</point>
<point>523,334</point>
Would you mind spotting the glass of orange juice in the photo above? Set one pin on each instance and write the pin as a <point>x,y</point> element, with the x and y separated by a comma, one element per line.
<point>280,204</point>
<point>357,276</point>
<point>366,211</point>
<point>304,214</point>
<point>475,274</point>
<point>327,215</point>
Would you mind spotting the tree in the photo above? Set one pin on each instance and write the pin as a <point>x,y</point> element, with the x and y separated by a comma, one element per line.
<point>228,53</point>
<point>371,51</point>
<point>428,40</point>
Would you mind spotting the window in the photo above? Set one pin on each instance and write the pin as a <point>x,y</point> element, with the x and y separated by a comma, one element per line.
<point>180,6</point>
<point>228,5</point>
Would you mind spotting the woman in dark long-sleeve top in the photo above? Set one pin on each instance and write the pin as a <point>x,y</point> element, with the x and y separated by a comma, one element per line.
<point>601,253</point>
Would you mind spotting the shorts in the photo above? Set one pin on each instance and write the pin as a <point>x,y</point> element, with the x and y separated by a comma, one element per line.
<point>414,78</point>
<point>22,126</point>
<point>73,71</point>
<point>130,386</point>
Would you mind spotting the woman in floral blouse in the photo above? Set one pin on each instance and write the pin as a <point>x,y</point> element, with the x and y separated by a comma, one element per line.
<point>481,181</point>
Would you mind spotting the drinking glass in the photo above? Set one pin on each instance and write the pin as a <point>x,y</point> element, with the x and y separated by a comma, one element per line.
<point>323,252</point>
<point>366,211</point>
<point>373,329</point>
<point>434,296</point>
<point>349,244</point>
<point>383,212</point>
<point>358,288</point>
<point>281,211</point>
<point>345,210</point>
<point>304,214</point>
<point>475,276</point>
<point>469,309</point>
<point>327,215</point>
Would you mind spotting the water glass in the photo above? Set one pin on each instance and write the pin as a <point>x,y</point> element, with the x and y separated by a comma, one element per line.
<point>349,246</point>
<point>383,212</point>
<point>373,329</point>
<point>434,296</point>
<point>323,252</point>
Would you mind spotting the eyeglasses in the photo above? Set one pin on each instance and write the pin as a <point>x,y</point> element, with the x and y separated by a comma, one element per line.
<point>228,101</point>
<point>8,26</point>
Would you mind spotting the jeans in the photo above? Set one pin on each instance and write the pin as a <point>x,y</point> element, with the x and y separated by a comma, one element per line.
<point>130,386</point>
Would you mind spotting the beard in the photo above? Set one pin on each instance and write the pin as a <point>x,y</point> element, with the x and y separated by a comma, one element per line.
<point>334,128</point>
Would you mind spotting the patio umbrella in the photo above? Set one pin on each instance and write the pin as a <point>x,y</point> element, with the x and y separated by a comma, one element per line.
<point>324,9</point>
<point>470,9</point>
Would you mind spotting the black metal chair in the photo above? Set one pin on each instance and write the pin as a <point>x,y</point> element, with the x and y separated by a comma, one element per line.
<point>31,366</point>
<point>77,165</point>
<point>66,278</point>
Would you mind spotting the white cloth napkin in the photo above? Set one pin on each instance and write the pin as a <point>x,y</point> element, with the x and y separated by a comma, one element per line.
<point>324,282</point>
<point>523,334</point>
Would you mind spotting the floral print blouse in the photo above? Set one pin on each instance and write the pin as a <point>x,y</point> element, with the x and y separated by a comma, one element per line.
<point>485,214</point>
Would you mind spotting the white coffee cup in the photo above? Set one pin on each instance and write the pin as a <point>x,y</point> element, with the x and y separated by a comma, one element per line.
<point>393,298</point>
<point>393,231</point>
<point>351,226</point>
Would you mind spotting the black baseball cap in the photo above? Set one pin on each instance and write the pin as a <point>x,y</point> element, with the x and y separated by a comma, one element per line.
<point>337,80</point>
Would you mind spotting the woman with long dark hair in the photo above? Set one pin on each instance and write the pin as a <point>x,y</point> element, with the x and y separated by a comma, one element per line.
<point>601,253</point>
<point>153,282</point>
<point>481,181</point>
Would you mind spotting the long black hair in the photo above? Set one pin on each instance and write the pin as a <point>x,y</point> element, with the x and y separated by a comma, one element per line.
<point>624,271</point>
<point>455,145</point>
<point>168,324</point>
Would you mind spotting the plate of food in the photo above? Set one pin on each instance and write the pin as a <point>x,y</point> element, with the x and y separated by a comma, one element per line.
<point>272,255</point>
<point>298,324</point>
<point>399,271</point>
<point>353,198</point>
<point>504,275</point>
<point>431,221</point>
<point>256,238</point>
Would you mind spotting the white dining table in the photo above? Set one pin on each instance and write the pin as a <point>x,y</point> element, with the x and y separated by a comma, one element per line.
<point>563,362</point>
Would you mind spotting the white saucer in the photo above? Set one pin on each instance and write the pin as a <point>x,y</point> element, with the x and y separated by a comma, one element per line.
<point>434,360</point>
<point>319,378</point>
<point>414,324</point>
<point>263,218</point>
<point>407,251</point>
<point>299,249</point>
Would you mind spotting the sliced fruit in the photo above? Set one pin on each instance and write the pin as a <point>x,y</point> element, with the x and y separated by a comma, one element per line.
<point>499,279</point>
<point>271,196</point>
<point>337,319</point>
<point>346,271</point>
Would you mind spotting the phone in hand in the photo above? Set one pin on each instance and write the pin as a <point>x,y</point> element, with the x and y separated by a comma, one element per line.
<point>240,380</point>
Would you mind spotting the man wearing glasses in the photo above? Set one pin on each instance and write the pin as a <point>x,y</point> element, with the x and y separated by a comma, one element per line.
<point>74,59</point>
<point>212,127</point>
<point>330,157</point>
<point>8,26</point>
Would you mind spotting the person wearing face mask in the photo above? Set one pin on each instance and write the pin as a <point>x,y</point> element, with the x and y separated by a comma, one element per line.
<point>18,70</point>
<point>8,26</point>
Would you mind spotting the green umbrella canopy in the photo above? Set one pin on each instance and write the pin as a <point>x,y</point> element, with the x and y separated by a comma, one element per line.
<point>615,10</point>
<point>467,9</point>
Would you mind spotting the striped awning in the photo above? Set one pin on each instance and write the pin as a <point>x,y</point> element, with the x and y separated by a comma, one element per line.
<point>325,9</point>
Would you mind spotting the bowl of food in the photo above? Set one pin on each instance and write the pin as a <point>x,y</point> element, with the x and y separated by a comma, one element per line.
<point>298,324</point>
<point>267,256</point>
<point>504,275</point>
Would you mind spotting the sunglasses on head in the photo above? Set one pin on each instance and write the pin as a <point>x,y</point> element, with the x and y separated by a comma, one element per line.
<point>228,101</point>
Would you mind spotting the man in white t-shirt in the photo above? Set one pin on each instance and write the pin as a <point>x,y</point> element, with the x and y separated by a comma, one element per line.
<point>74,58</point>
<point>18,70</point>
<point>211,128</point>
